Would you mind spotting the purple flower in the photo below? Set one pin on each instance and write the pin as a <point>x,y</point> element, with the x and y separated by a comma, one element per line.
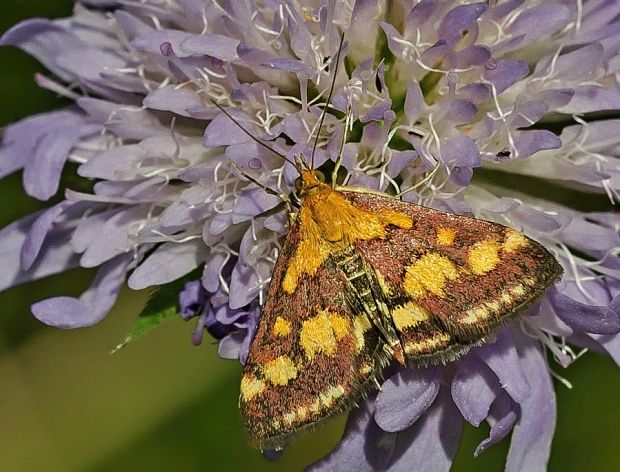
<point>439,94</point>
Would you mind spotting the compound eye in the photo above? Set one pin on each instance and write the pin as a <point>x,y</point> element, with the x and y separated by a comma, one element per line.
<point>320,176</point>
<point>299,184</point>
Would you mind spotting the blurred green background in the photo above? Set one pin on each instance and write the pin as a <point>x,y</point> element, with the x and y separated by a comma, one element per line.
<point>162,404</point>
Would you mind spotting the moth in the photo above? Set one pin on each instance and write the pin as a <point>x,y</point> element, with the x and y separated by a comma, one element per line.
<point>364,279</point>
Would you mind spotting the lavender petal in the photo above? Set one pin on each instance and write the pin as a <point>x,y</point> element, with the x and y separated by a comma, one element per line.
<point>92,305</point>
<point>531,438</point>
<point>502,417</point>
<point>405,396</point>
<point>473,389</point>
<point>364,446</point>
<point>503,360</point>
<point>169,262</point>
<point>584,317</point>
<point>431,443</point>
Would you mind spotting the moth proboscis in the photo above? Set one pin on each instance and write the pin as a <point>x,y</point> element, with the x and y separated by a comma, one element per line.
<point>364,279</point>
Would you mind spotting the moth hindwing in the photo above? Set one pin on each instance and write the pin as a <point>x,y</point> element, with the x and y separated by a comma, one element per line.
<point>363,279</point>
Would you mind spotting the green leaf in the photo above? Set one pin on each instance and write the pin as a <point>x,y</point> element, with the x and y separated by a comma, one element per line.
<point>162,306</point>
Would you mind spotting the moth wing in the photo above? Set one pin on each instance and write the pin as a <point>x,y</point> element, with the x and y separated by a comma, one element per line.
<point>311,357</point>
<point>450,280</point>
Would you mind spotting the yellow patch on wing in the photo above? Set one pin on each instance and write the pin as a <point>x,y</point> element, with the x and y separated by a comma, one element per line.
<point>280,370</point>
<point>332,394</point>
<point>495,307</point>
<point>250,387</point>
<point>476,314</point>
<point>302,413</point>
<point>320,333</point>
<point>505,297</point>
<point>288,418</point>
<point>360,326</point>
<point>408,315</point>
<point>427,345</point>
<point>340,325</point>
<point>315,406</point>
<point>518,290</point>
<point>445,236</point>
<point>484,257</point>
<point>328,222</point>
<point>429,273</point>
<point>513,241</point>
<point>395,218</point>
<point>281,327</point>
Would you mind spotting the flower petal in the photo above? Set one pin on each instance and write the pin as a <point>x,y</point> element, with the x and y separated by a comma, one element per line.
<point>211,44</point>
<point>532,141</point>
<point>502,417</point>
<point>431,443</point>
<point>56,255</point>
<point>37,234</point>
<point>43,39</point>
<point>531,438</point>
<point>405,396</point>
<point>93,304</point>
<point>42,172</point>
<point>503,359</point>
<point>582,316</point>
<point>169,262</point>
<point>364,446</point>
<point>506,73</point>
<point>473,389</point>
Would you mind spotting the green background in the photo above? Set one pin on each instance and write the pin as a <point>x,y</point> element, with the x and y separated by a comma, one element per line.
<point>162,404</point>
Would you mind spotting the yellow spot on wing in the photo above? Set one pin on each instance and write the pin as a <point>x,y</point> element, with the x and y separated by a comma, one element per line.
<point>514,241</point>
<point>340,325</point>
<point>281,327</point>
<point>409,315</point>
<point>317,335</point>
<point>315,406</point>
<point>428,344</point>
<point>332,394</point>
<point>445,236</point>
<point>429,273</point>
<point>250,387</point>
<point>302,413</point>
<point>476,314</point>
<point>328,222</point>
<point>485,310</point>
<point>289,418</point>
<point>280,370</point>
<point>484,257</point>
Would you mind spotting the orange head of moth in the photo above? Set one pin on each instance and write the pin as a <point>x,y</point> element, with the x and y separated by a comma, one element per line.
<point>310,182</point>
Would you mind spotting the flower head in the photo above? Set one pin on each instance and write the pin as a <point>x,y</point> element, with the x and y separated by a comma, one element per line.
<point>432,100</point>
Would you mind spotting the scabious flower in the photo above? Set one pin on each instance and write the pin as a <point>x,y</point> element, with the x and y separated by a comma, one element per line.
<point>436,92</point>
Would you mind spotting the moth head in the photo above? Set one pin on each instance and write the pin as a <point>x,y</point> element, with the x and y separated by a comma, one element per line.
<point>309,182</point>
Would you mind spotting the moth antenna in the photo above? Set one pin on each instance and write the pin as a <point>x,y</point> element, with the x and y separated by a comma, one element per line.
<point>269,190</point>
<point>329,97</point>
<point>342,143</point>
<point>254,138</point>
